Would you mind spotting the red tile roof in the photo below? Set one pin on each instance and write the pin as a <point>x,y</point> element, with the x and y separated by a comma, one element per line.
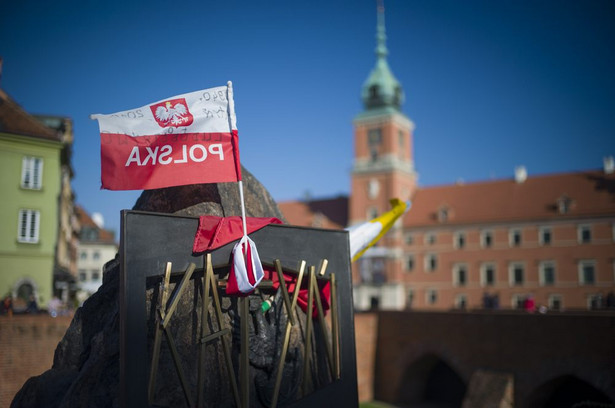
<point>13,119</point>
<point>104,236</point>
<point>592,193</point>
<point>327,213</point>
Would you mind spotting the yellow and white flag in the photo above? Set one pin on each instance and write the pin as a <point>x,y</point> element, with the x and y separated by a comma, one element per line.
<point>365,235</point>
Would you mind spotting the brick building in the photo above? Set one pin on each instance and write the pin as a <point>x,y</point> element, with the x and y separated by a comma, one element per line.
<point>548,238</point>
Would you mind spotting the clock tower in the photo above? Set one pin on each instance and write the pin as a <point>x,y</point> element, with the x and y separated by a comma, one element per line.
<point>383,168</point>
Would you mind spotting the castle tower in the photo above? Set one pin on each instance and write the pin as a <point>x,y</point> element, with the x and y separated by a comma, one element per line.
<point>383,168</point>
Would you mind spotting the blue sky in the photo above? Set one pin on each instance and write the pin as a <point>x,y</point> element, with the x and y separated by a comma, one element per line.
<point>489,84</point>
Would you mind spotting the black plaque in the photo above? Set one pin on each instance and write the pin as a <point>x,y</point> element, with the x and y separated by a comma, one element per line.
<point>149,240</point>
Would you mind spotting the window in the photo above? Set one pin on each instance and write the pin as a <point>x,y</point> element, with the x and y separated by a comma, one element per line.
<point>487,274</point>
<point>373,187</point>
<point>372,212</point>
<point>584,233</point>
<point>587,272</point>
<point>410,298</point>
<point>410,263</point>
<point>372,270</point>
<point>443,214</point>
<point>545,236</point>
<point>401,139</point>
<point>431,262</point>
<point>96,255</point>
<point>409,239</point>
<point>430,238</point>
<point>486,239</point>
<point>594,301</point>
<point>83,276</point>
<point>564,203</point>
<point>460,240</point>
<point>514,237</point>
<point>518,301</point>
<point>32,173</point>
<point>95,275</point>
<point>431,296</point>
<point>461,301</point>
<point>460,275</point>
<point>516,274</point>
<point>28,227</point>
<point>555,302</point>
<point>374,138</point>
<point>83,255</point>
<point>546,271</point>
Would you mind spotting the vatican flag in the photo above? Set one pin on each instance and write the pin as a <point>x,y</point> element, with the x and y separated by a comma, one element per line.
<point>365,235</point>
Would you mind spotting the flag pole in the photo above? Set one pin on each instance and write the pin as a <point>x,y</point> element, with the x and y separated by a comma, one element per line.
<point>231,118</point>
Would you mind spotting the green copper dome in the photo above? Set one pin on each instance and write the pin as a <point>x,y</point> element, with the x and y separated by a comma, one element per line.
<point>381,89</point>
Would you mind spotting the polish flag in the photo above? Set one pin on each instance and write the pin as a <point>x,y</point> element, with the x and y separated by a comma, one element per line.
<point>186,139</point>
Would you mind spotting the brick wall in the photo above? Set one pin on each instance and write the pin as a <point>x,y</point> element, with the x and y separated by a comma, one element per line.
<point>533,348</point>
<point>366,328</point>
<point>27,345</point>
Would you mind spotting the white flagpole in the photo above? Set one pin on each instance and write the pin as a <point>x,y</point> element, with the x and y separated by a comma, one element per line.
<point>232,119</point>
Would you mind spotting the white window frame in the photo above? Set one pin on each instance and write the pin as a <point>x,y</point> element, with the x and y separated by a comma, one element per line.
<point>511,273</point>
<point>459,240</point>
<point>551,299</point>
<point>581,266</point>
<point>483,274</point>
<point>457,268</point>
<point>459,298</point>
<point>429,294</point>
<point>410,297</point>
<point>428,258</point>
<point>511,237</point>
<point>31,175</point>
<point>590,298</point>
<point>409,238</point>
<point>31,233</point>
<point>483,238</point>
<point>580,229</point>
<point>407,263</point>
<point>514,300</point>
<point>541,273</point>
<point>429,238</point>
<point>541,232</point>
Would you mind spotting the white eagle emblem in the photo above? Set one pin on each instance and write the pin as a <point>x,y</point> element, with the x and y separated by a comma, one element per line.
<point>175,115</point>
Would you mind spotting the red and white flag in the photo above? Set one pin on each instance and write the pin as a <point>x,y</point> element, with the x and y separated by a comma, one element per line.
<point>186,139</point>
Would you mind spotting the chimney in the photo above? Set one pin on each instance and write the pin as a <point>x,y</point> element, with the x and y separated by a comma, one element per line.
<point>520,174</point>
<point>609,165</point>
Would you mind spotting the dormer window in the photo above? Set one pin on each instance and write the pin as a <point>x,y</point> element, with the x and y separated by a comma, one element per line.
<point>443,214</point>
<point>564,203</point>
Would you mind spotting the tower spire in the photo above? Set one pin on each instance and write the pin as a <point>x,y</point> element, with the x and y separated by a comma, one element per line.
<point>381,89</point>
<point>381,36</point>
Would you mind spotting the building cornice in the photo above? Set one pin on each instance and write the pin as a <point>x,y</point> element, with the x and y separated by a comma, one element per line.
<point>384,163</point>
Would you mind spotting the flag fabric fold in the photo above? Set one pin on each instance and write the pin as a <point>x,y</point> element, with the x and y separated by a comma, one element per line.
<point>365,235</point>
<point>214,232</point>
<point>186,139</point>
<point>246,269</point>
